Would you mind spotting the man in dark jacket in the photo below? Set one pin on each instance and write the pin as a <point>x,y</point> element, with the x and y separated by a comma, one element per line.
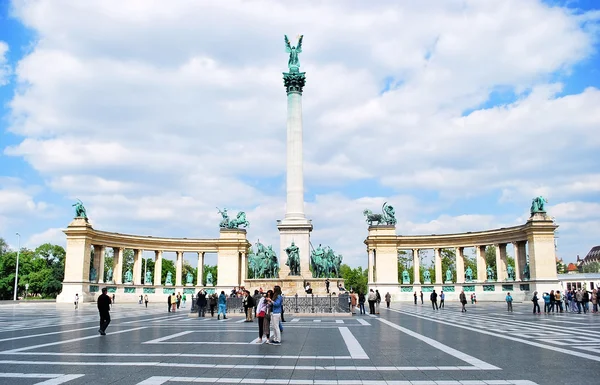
<point>169,302</point>
<point>201,302</point>
<point>433,298</point>
<point>104,309</point>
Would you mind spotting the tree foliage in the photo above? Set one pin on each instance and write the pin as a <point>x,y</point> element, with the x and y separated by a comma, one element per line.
<point>213,270</point>
<point>355,279</point>
<point>593,267</point>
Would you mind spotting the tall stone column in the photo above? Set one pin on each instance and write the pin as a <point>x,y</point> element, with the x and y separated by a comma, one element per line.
<point>200,269</point>
<point>158,267</point>
<point>501,262</point>
<point>294,227</point>
<point>102,251</point>
<point>178,268</point>
<point>460,265</point>
<point>243,270</point>
<point>371,266</point>
<point>137,267</point>
<point>96,262</point>
<point>118,262</point>
<point>438,266</point>
<point>416,267</point>
<point>521,250</point>
<point>481,266</point>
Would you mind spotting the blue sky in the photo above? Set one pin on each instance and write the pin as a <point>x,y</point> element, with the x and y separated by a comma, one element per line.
<point>457,113</point>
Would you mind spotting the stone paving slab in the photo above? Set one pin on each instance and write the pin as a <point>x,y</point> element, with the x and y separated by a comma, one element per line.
<point>406,344</point>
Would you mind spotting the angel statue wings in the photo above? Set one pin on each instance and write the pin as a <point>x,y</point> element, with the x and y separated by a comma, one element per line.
<point>293,62</point>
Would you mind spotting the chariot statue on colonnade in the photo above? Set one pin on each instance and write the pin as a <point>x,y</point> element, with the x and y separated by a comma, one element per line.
<point>387,217</point>
<point>228,223</point>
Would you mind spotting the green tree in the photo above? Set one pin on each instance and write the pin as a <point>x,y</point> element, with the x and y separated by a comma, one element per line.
<point>490,257</point>
<point>167,265</point>
<point>593,267</point>
<point>355,279</point>
<point>127,262</point>
<point>405,261</point>
<point>448,261</point>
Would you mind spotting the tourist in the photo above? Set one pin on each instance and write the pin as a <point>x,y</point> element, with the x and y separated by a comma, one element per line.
<point>433,297</point>
<point>113,299</point>
<point>178,299</point>
<point>475,298</point>
<point>141,299</point>
<point>212,302</point>
<point>388,299</point>
<point>277,303</point>
<point>146,300</point>
<point>586,301</point>
<point>201,303</point>
<point>327,285</point>
<point>248,304</point>
<point>463,301</point>
<point>76,301</point>
<point>558,301</point>
<point>261,313</point>
<point>546,298</point>
<point>536,305</point>
<point>442,298</point>
<point>307,288</point>
<point>169,302</point>
<point>415,297</point>
<point>282,311</point>
<point>361,303</point>
<point>579,300</point>
<point>372,298</point>
<point>377,301</point>
<point>509,301</point>
<point>173,302</point>
<point>595,301</point>
<point>183,300</point>
<point>353,301</point>
<point>104,310</point>
<point>256,297</point>
<point>222,306</point>
<point>552,301</point>
<point>421,294</point>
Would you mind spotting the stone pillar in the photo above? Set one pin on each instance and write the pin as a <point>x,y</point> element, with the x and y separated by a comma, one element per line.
<point>243,269</point>
<point>200,269</point>
<point>118,253</point>
<point>232,242</point>
<point>521,246</point>
<point>438,266</point>
<point>501,262</point>
<point>460,265</point>
<point>416,267</point>
<point>481,266</point>
<point>77,261</point>
<point>371,265</point>
<point>542,253</point>
<point>295,178</point>
<point>96,263</point>
<point>101,264</point>
<point>137,267</point>
<point>158,267</point>
<point>178,268</point>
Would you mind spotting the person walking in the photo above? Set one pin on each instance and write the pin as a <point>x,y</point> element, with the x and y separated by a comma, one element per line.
<point>103,303</point>
<point>388,299</point>
<point>509,300</point>
<point>169,302</point>
<point>178,299</point>
<point>261,312</point>
<point>277,303</point>
<point>377,301</point>
<point>433,297</point>
<point>463,301</point>
<point>372,298</point>
<point>76,301</point>
<point>222,306</point>
<point>421,297</point>
<point>174,302</point>
<point>183,300</point>
<point>201,302</point>
<point>353,302</point>
<point>415,297</point>
<point>212,302</point>
<point>327,285</point>
<point>442,298</point>
<point>536,305</point>
<point>146,300</point>
<point>361,303</point>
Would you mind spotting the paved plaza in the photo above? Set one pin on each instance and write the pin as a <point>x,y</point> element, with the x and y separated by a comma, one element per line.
<point>407,344</point>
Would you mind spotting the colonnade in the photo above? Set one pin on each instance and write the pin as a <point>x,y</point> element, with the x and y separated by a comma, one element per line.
<point>138,274</point>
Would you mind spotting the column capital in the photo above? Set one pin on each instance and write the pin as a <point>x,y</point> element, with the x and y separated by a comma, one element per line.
<point>294,82</point>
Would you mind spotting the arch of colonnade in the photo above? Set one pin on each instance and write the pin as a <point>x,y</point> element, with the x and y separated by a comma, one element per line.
<point>231,249</point>
<point>534,239</point>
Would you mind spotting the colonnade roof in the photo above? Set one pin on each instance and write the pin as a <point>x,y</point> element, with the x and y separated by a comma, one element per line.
<point>140,242</point>
<point>467,239</point>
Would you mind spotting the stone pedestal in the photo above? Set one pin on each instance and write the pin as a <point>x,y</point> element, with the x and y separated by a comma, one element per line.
<point>295,285</point>
<point>299,233</point>
<point>77,262</point>
<point>229,258</point>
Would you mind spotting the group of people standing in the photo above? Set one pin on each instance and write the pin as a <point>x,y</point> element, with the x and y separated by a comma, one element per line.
<point>174,302</point>
<point>574,301</point>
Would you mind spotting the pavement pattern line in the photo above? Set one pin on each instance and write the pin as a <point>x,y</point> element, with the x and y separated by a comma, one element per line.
<point>445,348</point>
<point>356,351</point>
<point>189,355</point>
<point>160,380</point>
<point>531,343</point>
<point>70,340</point>
<point>335,368</point>
<point>53,379</point>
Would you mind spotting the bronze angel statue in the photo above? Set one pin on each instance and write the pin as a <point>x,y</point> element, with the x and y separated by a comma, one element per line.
<point>293,62</point>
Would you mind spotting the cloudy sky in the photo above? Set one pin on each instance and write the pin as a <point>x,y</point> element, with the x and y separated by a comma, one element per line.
<point>456,112</point>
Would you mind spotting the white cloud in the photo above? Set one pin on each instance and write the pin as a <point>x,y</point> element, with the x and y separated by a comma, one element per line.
<point>5,70</point>
<point>180,107</point>
<point>54,236</point>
